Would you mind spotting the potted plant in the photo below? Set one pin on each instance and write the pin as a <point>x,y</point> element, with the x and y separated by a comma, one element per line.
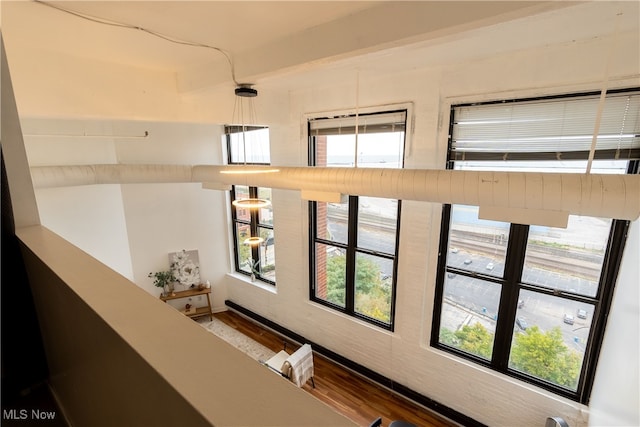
<point>164,280</point>
<point>254,266</point>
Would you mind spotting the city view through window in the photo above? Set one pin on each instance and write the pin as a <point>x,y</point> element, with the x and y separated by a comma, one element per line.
<point>552,328</point>
<point>526,300</point>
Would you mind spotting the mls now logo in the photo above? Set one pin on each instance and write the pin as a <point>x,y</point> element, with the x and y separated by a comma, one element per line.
<point>23,414</point>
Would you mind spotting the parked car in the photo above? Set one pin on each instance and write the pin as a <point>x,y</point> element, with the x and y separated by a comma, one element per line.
<point>522,323</point>
<point>490,266</point>
<point>568,319</point>
<point>520,303</point>
<point>582,314</point>
<point>467,261</point>
<point>451,275</point>
<point>454,250</point>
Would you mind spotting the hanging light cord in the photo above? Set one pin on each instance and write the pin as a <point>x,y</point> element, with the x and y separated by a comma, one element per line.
<point>226,54</point>
<point>238,117</point>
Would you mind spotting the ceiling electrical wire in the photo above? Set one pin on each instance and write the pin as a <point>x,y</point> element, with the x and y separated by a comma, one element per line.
<point>98,20</point>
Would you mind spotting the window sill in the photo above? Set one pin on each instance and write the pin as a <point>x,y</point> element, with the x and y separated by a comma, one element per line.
<point>257,283</point>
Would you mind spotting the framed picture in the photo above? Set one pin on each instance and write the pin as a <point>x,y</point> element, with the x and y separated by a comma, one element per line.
<point>185,266</point>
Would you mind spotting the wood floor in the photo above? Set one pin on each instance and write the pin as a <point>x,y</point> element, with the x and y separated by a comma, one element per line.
<point>356,398</point>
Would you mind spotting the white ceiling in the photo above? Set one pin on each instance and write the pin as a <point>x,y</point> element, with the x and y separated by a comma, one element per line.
<point>272,38</point>
<point>234,26</point>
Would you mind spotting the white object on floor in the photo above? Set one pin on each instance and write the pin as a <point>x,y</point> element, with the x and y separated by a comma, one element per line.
<point>297,367</point>
<point>277,361</point>
<point>301,365</point>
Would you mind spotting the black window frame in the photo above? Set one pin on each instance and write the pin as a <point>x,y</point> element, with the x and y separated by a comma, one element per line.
<point>512,282</point>
<point>253,223</point>
<point>351,248</point>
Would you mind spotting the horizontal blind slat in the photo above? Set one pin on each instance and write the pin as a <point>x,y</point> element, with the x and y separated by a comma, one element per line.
<point>556,126</point>
<point>367,123</point>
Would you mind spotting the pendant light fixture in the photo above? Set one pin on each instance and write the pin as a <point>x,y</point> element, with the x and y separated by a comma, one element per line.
<point>253,241</point>
<point>251,203</point>
<point>244,101</point>
<point>246,91</point>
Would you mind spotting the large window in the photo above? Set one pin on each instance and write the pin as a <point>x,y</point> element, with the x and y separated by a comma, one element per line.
<point>354,242</point>
<point>532,301</point>
<point>251,146</point>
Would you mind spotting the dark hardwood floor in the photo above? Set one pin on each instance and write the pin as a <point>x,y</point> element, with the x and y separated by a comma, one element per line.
<point>357,398</point>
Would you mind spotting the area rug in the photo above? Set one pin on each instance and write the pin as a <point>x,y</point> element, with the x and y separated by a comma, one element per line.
<point>240,341</point>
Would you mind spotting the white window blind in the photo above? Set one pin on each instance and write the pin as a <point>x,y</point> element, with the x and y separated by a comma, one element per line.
<point>393,121</point>
<point>548,129</point>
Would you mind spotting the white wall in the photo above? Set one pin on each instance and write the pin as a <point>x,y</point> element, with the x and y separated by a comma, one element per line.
<point>163,218</point>
<point>92,218</point>
<point>405,355</point>
<point>132,228</point>
<point>616,396</point>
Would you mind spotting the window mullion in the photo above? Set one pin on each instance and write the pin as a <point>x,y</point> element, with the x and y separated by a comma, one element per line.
<point>313,238</point>
<point>350,288</point>
<point>442,268</point>
<point>234,222</point>
<point>514,263</point>
<point>229,159</point>
<point>253,213</point>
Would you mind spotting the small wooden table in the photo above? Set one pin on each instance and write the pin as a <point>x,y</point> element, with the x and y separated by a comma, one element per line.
<point>200,311</point>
